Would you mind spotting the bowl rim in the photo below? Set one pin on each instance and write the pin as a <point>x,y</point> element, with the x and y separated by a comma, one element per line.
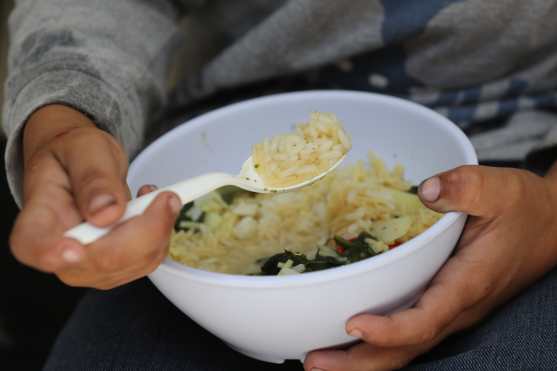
<point>310,278</point>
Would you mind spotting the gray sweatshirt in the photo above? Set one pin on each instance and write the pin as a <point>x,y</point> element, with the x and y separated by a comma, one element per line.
<point>124,62</point>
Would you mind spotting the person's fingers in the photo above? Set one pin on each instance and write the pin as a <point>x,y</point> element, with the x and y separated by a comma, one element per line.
<point>476,190</point>
<point>130,275</point>
<point>447,297</point>
<point>363,357</point>
<point>40,248</point>
<point>119,277</point>
<point>327,360</point>
<point>97,169</point>
<point>147,188</point>
<point>48,210</point>
<point>81,275</point>
<point>131,250</point>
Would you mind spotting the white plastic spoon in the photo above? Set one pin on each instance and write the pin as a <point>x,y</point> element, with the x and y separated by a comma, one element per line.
<point>189,190</point>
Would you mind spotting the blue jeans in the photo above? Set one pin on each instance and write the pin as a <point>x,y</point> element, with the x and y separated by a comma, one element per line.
<point>135,328</point>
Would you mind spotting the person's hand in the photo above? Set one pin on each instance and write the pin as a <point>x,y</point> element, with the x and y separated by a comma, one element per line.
<point>74,171</point>
<point>510,241</point>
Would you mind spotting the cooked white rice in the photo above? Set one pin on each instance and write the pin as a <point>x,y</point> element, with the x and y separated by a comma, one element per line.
<point>310,150</point>
<point>348,201</point>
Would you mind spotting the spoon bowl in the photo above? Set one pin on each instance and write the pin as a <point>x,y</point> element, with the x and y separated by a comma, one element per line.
<point>191,189</point>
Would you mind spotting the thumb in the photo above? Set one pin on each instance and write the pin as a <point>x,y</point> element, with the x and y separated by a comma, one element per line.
<point>475,190</point>
<point>97,168</point>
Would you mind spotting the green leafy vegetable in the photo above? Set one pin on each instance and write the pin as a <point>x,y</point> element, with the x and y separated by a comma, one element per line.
<point>270,266</point>
<point>356,249</point>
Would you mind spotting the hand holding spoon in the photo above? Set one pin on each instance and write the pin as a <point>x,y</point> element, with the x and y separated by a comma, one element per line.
<point>318,146</point>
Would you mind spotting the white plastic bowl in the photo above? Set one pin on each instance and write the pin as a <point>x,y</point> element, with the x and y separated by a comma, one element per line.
<point>278,318</point>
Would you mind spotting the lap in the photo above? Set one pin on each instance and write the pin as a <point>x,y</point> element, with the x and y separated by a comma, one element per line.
<point>135,328</point>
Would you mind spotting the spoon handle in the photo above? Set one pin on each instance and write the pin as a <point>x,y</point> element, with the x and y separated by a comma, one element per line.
<point>187,191</point>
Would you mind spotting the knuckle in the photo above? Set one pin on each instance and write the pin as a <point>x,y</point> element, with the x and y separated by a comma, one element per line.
<point>467,182</point>
<point>465,174</point>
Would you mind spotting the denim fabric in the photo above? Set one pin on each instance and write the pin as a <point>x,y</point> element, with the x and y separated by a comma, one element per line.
<point>135,328</point>
<point>522,335</point>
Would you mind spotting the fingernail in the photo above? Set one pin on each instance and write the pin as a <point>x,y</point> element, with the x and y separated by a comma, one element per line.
<point>147,188</point>
<point>430,189</point>
<point>175,204</point>
<point>356,333</point>
<point>71,256</point>
<point>100,202</point>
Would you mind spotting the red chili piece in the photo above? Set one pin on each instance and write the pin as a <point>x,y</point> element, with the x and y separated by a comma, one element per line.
<point>394,244</point>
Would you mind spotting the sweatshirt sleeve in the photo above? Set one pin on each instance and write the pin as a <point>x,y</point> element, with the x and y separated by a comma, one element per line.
<point>108,59</point>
